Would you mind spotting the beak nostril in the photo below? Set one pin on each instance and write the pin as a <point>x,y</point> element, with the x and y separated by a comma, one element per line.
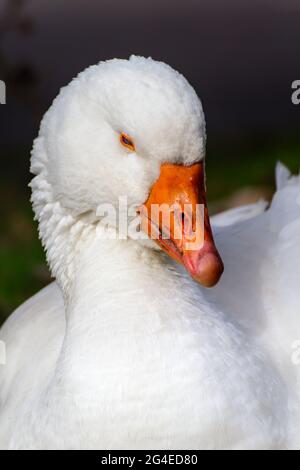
<point>186,222</point>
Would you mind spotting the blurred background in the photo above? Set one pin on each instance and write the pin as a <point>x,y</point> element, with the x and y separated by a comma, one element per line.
<point>240,55</point>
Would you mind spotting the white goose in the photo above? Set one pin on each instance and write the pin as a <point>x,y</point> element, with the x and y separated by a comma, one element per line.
<point>125,349</point>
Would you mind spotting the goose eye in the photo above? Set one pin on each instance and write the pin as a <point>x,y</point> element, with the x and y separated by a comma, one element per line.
<point>127,142</point>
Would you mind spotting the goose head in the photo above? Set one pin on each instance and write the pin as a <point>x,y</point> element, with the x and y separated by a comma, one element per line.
<point>126,127</point>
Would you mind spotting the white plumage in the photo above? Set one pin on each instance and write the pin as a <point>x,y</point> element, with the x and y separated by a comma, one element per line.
<point>125,350</point>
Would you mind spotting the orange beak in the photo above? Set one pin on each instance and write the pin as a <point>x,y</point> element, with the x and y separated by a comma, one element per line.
<point>175,215</point>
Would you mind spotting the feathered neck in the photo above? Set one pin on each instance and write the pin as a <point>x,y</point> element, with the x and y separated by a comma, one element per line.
<point>60,232</point>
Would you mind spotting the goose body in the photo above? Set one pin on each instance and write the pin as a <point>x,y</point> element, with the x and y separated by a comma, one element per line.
<point>125,350</point>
